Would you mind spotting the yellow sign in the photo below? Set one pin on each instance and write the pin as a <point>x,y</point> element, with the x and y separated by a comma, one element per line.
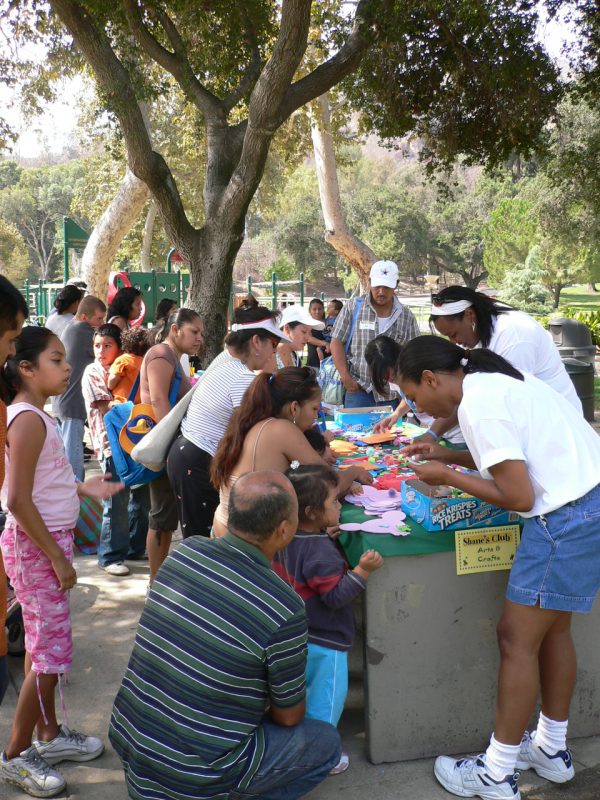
<point>486,549</point>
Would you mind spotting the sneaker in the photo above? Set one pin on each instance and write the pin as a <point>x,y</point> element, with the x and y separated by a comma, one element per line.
<point>341,766</point>
<point>468,777</point>
<point>69,746</point>
<point>557,768</point>
<point>31,773</point>
<point>118,568</point>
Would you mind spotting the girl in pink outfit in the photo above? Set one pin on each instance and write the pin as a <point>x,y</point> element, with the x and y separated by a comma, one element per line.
<point>41,496</point>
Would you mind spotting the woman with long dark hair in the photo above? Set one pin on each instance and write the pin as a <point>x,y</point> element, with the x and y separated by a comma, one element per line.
<point>553,481</point>
<point>266,432</point>
<point>125,307</point>
<point>161,370</point>
<point>249,347</point>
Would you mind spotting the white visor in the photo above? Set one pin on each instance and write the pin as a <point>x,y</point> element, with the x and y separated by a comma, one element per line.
<point>262,325</point>
<point>447,309</point>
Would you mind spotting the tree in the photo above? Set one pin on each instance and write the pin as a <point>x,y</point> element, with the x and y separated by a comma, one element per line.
<point>14,259</point>
<point>467,77</point>
<point>509,235</point>
<point>523,286</point>
<point>35,205</point>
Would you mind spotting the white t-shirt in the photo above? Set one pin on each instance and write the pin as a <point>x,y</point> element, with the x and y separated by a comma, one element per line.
<point>522,341</point>
<point>221,390</point>
<point>58,323</point>
<point>504,419</point>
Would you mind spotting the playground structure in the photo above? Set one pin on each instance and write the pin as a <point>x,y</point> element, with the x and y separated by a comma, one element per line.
<point>156,286</point>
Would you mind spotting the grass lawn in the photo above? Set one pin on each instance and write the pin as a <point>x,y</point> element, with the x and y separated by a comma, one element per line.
<point>580,298</point>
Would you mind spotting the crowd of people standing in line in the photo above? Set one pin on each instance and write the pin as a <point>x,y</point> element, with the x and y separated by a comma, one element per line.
<point>249,482</point>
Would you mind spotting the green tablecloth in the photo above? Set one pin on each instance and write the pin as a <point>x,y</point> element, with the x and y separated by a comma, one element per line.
<point>418,542</point>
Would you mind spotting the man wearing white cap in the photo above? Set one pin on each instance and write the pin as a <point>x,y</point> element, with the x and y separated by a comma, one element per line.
<point>378,312</point>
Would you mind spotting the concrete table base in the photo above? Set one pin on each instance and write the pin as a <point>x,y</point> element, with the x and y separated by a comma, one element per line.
<point>431,660</point>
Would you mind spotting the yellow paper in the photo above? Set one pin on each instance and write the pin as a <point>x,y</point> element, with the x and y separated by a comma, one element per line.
<point>486,549</point>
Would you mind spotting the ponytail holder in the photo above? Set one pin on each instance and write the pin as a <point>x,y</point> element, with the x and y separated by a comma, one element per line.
<point>271,378</point>
<point>464,362</point>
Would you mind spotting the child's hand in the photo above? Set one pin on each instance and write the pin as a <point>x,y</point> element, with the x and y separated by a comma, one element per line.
<point>100,487</point>
<point>333,532</point>
<point>362,476</point>
<point>370,561</point>
<point>356,488</point>
<point>67,577</point>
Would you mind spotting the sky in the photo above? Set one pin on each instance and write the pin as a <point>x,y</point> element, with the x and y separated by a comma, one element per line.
<point>54,129</point>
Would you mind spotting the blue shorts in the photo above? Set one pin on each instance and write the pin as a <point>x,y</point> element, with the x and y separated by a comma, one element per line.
<point>558,561</point>
<point>326,683</point>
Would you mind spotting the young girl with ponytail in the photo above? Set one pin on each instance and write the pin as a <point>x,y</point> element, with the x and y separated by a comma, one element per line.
<point>538,457</point>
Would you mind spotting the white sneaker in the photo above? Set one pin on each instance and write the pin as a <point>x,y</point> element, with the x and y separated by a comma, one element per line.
<point>31,773</point>
<point>557,768</point>
<point>69,746</point>
<point>118,568</point>
<point>468,777</point>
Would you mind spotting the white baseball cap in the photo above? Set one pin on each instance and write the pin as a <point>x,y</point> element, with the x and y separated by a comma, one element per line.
<point>263,325</point>
<point>384,273</point>
<point>298,314</point>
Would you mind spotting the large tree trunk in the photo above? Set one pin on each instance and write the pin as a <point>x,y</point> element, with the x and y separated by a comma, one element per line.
<point>148,234</point>
<point>211,268</point>
<point>556,290</point>
<point>347,244</point>
<point>109,232</point>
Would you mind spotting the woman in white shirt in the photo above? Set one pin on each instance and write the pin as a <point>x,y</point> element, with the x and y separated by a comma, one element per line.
<point>539,459</point>
<point>249,347</point>
<point>66,305</point>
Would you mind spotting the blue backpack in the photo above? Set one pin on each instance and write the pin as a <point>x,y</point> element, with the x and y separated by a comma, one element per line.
<point>115,420</point>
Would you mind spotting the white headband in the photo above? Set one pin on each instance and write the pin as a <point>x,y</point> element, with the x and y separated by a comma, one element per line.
<point>446,309</point>
<point>260,324</point>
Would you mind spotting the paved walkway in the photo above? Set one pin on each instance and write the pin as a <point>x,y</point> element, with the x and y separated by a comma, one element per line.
<point>105,614</point>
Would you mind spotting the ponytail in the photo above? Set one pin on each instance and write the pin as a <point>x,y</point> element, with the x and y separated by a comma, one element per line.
<point>439,355</point>
<point>264,398</point>
<point>381,356</point>
<point>177,317</point>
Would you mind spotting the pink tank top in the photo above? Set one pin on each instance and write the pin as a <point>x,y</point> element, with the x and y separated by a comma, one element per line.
<point>54,486</point>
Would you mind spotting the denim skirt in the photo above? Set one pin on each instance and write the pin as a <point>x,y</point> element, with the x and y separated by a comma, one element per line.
<point>558,561</point>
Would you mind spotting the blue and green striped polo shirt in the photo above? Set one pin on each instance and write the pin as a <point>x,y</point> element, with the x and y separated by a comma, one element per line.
<point>221,637</point>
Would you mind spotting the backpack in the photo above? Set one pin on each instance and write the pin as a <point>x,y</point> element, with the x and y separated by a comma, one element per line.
<point>333,391</point>
<point>126,425</point>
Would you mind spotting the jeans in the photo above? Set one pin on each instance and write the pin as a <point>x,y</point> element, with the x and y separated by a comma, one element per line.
<point>295,760</point>
<point>124,521</point>
<point>362,399</point>
<point>71,431</point>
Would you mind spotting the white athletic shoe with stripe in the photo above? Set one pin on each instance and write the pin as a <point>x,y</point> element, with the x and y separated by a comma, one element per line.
<point>468,777</point>
<point>557,768</point>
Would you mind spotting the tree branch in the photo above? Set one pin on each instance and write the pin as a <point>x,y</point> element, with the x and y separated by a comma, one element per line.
<point>114,82</point>
<point>330,72</point>
<point>176,62</point>
<point>249,77</point>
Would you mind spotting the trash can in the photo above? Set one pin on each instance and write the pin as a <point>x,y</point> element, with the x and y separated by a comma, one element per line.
<point>582,375</point>
<point>573,339</point>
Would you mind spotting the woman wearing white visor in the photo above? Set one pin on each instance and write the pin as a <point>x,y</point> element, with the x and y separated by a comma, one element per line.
<point>297,325</point>
<point>472,319</point>
<point>249,347</point>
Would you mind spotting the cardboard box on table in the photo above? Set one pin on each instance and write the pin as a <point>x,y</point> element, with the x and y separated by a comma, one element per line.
<point>450,513</point>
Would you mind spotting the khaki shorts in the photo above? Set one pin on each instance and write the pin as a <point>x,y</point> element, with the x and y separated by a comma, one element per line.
<point>163,510</point>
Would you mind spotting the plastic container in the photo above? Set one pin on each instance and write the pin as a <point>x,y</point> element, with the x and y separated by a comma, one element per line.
<point>573,339</point>
<point>582,375</point>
